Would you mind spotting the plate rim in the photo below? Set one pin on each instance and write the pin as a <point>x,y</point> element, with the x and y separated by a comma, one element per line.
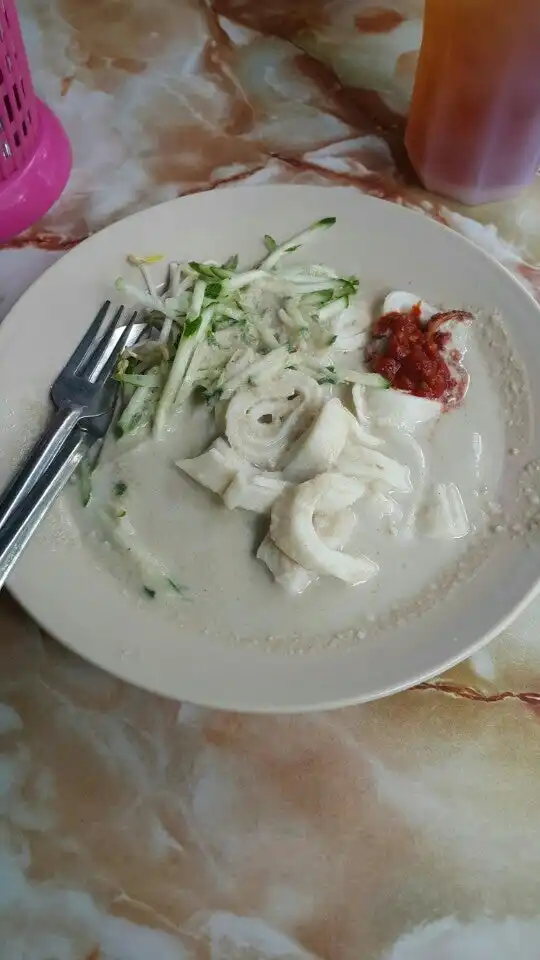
<point>124,671</point>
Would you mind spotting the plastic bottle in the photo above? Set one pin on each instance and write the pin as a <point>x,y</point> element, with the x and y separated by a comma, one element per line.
<point>474,125</point>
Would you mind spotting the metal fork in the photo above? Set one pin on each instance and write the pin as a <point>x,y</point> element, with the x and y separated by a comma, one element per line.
<point>26,519</point>
<point>23,523</point>
<point>77,393</point>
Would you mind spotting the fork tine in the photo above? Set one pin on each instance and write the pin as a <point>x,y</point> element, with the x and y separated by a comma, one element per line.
<point>110,363</point>
<point>85,345</point>
<point>92,365</point>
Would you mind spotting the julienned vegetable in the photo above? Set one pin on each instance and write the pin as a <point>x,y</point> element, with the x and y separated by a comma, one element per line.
<point>215,329</point>
<point>219,330</point>
<point>155,577</point>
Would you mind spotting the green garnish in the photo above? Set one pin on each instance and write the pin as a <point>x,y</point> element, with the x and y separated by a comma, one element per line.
<point>85,482</point>
<point>325,296</point>
<point>212,397</point>
<point>232,263</point>
<point>210,316</point>
<point>213,290</point>
<point>178,588</point>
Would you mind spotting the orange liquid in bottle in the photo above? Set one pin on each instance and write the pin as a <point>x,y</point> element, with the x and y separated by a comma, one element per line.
<point>474,126</point>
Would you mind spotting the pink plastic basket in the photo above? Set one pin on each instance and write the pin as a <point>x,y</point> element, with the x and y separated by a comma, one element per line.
<point>35,157</point>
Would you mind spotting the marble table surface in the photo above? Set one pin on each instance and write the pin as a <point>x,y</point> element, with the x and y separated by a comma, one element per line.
<point>132,827</point>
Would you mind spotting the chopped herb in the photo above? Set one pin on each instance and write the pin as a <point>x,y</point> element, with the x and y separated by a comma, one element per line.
<point>212,397</point>
<point>269,243</point>
<point>251,382</point>
<point>178,588</point>
<point>213,291</point>
<point>191,327</point>
<point>120,489</point>
<point>326,222</point>
<point>290,249</point>
<point>149,592</point>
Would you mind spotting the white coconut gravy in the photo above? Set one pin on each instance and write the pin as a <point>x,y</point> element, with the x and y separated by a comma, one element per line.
<point>210,551</point>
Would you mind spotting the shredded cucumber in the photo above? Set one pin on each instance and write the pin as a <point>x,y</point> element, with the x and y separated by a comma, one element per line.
<point>219,328</point>
<point>292,244</point>
<point>154,576</point>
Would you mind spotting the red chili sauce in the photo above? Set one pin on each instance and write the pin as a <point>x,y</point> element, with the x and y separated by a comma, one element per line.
<point>415,356</point>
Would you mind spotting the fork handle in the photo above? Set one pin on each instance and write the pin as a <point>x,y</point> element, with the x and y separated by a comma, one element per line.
<point>40,457</point>
<point>17,533</point>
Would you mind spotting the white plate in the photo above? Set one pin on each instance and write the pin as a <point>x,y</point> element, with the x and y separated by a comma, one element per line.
<point>80,602</point>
